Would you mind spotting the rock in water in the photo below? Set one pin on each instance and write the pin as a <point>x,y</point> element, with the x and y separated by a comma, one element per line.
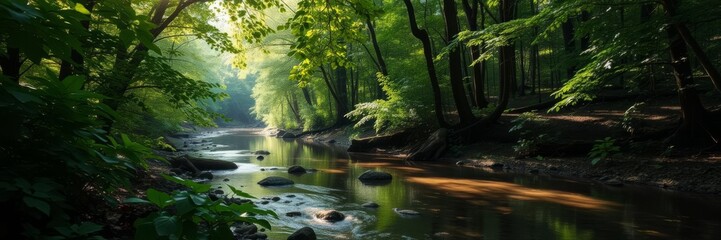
<point>245,229</point>
<point>296,170</point>
<point>293,214</point>
<point>370,205</point>
<point>614,182</point>
<point>262,152</point>
<point>406,212</point>
<point>330,216</point>
<point>305,233</point>
<point>206,175</point>
<point>275,181</point>
<point>371,175</point>
<point>260,158</point>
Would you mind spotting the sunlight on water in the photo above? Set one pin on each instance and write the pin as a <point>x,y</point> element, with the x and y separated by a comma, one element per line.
<point>453,202</point>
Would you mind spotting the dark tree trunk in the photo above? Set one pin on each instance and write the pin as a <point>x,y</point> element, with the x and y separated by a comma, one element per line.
<point>422,35</point>
<point>76,65</point>
<point>696,128</point>
<point>341,107</point>
<point>379,55</point>
<point>569,44</point>
<point>11,63</point>
<point>306,95</point>
<point>454,63</point>
<point>586,39</point>
<point>472,10</point>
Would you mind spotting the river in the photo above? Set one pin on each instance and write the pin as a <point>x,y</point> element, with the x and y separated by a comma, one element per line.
<point>454,202</point>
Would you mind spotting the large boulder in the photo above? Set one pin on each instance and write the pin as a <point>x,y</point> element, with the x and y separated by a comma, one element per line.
<point>195,164</point>
<point>262,152</point>
<point>330,216</point>
<point>275,181</point>
<point>305,233</point>
<point>370,205</point>
<point>296,170</point>
<point>288,135</point>
<point>371,175</point>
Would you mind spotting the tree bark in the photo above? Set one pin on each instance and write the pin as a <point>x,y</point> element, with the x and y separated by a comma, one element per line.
<point>11,63</point>
<point>695,129</point>
<point>569,44</point>
<point>422,35</point>
<point>341,108</point>
<point>479,98</point>
<point>76,65</point>
<point>379,56</point>
<point>454,64</point>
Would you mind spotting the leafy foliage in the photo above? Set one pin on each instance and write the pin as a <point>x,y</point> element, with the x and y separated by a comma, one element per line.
<point>531,129</point>
<point>193,215</point>
<point>392,114</point>
<point>603,149</point>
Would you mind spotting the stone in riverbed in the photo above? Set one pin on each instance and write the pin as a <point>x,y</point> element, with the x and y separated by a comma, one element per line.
<point>305,233</point>
<point>296,170</point>
<point>245,229</point>
<point>330,216</point>
<point>206,175</point>
<point>293,214</point>
<point>406,212</point>
<point>275,181</point>
<point>371,175</point>
<point>260,157</point>
<point>370,205</point>
<point>262,152</point>
<point>275,199</point>
<point>614,182</point>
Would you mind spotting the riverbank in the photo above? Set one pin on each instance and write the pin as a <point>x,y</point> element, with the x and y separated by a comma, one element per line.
<point>558,144</point>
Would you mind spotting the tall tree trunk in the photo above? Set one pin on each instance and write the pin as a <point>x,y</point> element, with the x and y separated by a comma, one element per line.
<point>422,35</point>
<point>507,61</point>
<point>379,55</point>
<point>695,129</point>
<point>472,10</point>
<point>341,77</point>
<point>569,44</point>
<point>454,64</point>
<point>76,65</point>
<point>11,63</point>
<point>306,95</point>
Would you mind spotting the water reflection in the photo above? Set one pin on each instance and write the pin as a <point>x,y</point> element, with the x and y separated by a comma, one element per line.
<point>454,202</point>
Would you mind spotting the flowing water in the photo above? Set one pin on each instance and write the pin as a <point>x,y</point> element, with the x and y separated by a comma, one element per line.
<point>454,202</point>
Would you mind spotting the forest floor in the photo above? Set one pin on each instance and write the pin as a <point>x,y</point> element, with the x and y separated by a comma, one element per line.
<point>560,143</point>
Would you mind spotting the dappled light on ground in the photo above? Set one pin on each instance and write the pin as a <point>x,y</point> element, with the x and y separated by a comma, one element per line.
<point>501,191</point>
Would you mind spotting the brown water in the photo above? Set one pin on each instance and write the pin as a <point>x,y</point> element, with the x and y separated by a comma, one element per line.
<point>454,202</point>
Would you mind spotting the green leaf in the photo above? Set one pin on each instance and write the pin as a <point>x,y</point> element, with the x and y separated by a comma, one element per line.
<point>198,200</point>
<point>74,83</point>
<point>88,228</point>
<point>144,228</point>
<point>135,200</point>
<point>166,225</point>
<point>37,204</point>
<point>22,96</point>
<point>81,9</point>
<point>158,198</point>
<point>239,192</point>
<point>183,206</point>
<point>196,187</point>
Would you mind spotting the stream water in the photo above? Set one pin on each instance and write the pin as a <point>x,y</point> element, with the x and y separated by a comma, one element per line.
<point>454,202</point>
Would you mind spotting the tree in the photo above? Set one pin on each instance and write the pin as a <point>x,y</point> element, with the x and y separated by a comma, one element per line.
<point>422,35</point>
<point>454,61</point>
